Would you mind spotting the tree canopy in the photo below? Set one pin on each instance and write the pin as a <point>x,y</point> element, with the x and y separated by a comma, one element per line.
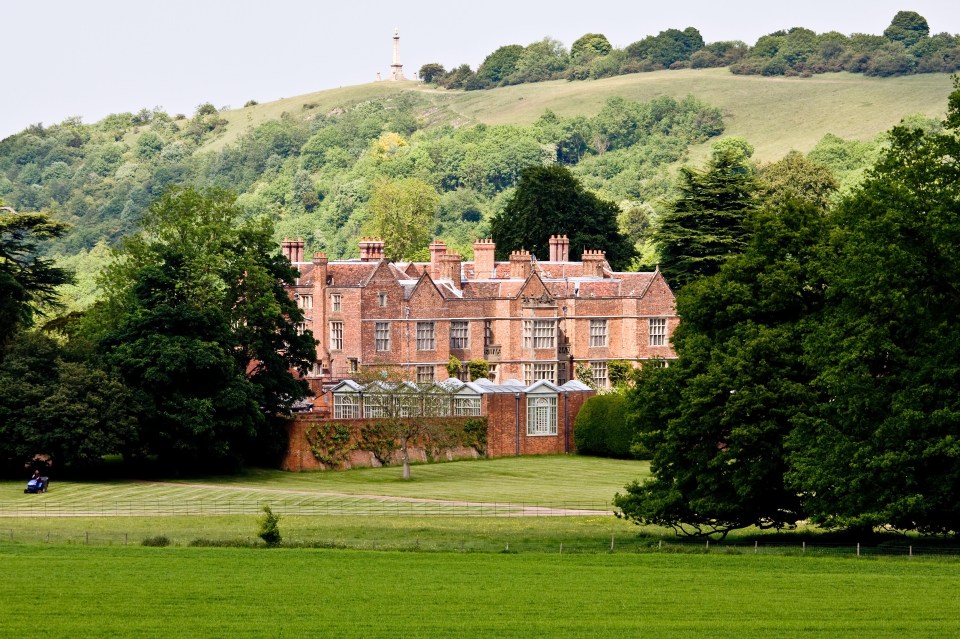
<point>27,280</point>
<point>703,228</point>
<point>197,323</point>
<point>817,366</point>
<point>549,200</point>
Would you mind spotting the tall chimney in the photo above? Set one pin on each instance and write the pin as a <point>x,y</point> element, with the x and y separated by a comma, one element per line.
<point>520,265</point>
<point>563,249</point>
<point>483,259</point>
<point>437,249</point>
<point>450,268</point>
<point>298,250</point>
<point>286,247</point>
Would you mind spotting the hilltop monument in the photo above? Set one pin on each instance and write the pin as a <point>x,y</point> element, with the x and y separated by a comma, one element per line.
<point>396,69</point>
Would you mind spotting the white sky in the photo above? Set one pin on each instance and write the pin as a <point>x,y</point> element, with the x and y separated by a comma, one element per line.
<point>63,58</point>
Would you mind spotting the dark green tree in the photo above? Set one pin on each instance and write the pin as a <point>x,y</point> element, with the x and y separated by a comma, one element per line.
<point>717,419</point>
<point>882,447</point>
<point>549,200</point>
<point>497,66</point>
<point>431,71</point>
<point>27,281</point>
<point>58,403</point>
<point>704,226</point>
<point>197,323</point>
<point>908,27</point>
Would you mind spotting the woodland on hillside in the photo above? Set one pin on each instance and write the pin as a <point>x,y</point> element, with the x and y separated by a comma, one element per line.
<point>905,47</point>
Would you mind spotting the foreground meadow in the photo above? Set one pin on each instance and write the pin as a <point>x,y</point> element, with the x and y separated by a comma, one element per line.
<point>75,591</point>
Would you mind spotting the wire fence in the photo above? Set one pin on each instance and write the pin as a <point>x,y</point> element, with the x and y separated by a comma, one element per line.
<point>627,544</point>
<point>333,506</point>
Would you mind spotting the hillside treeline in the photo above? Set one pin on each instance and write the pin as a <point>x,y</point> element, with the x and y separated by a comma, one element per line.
<point>905,47</point>
<point>315,174</point>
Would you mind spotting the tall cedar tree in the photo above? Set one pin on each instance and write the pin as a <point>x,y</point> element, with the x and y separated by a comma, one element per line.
<point>704,227</point>
<point>27,281</point>
<point>198,324</point>
<point>882,447</point>
<point>549,200</point>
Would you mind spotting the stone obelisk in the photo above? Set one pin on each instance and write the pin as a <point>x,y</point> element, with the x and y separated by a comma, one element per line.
<point>396,69</point>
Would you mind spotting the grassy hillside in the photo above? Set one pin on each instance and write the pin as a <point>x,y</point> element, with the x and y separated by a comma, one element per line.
<point>774,114</point>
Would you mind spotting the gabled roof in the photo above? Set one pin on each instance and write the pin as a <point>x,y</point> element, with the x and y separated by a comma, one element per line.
<point>347,386</point>
<point>543,387</point>
<point>575,385</point>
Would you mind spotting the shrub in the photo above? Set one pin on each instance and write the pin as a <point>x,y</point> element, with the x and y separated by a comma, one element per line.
<point>601,427</point>
<point>159,541</point>
<point>270,528</point>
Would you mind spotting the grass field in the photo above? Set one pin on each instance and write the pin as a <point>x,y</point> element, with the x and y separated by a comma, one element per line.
<point>457,576</point>
<point>63,591</point>
<point>774,114</point>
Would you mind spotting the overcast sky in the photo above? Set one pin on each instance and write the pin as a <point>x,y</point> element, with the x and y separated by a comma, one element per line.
<point>63,58</point>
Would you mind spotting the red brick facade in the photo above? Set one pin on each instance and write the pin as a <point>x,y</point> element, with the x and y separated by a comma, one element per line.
<point>529,319</point>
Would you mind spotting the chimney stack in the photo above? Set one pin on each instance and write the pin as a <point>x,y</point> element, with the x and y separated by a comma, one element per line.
<point>438,248</point>
<point>559,248</point>
<point>450,268</point>
<point>593,263</point>
<point>286,247</point>
<point>298,250</point>
<point>520,263</point>
<point>371,249</point>
<point>484,264</point>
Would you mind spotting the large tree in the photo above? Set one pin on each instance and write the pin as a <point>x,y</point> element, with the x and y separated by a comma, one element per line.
<point>882,448</point>
<point>717,419</point>
<point>704,226</point>
<point>27,281</point>
<point>197,323</point>
<point>549,200</point>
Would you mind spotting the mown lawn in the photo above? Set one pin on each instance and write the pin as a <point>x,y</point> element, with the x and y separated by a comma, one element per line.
<point>76,591</point>
<point>558,481</point>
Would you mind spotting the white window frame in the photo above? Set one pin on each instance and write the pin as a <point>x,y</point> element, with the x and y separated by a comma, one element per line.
<point>346,406</point>
<point>600,375</point>
<point>539,333</point>
<point>425,373</point>
<point>381,336</point>
<point>535,371</point>
<point>426,336</point>
<point>336,336</point>
<point>305,302</point>
<point>541,415</point>
<point>598,333</point>
<point>658,331</point>
<point>466,406</point>
<point>336,303</point>
<point>459,334</point>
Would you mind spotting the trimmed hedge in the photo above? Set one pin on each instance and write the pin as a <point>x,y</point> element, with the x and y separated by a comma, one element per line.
<point>601,427</point>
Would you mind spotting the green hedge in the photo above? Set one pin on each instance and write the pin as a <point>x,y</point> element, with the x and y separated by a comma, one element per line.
<point>601,427</point>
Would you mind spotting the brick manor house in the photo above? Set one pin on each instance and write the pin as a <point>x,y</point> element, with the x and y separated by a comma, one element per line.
<point>529,319</point>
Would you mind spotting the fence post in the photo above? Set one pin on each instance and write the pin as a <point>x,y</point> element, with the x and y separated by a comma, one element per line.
<point>911,551</point>
<point>858,549</point>
<point>611,542</point>
<point>754,546</point>
<point>561,547</point>
<point>804,547</point>
<point>708,544</point>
